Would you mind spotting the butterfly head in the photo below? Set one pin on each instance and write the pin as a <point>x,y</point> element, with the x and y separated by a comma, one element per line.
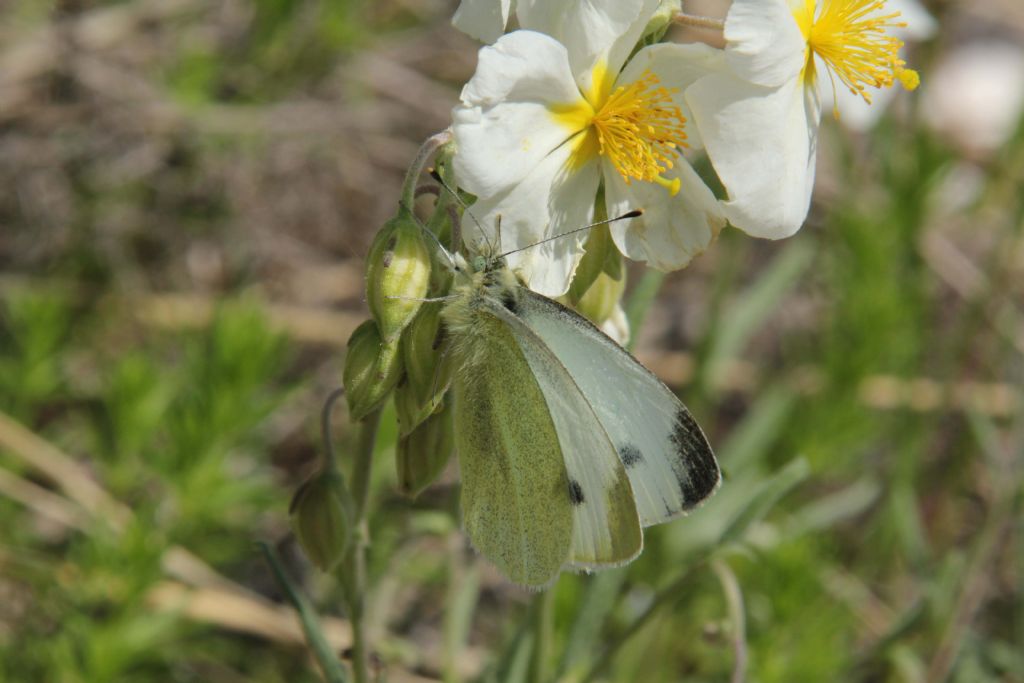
<point>480,262</point>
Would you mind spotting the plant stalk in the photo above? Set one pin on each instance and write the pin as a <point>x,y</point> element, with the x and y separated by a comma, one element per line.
<point>353,567</point>
<point>412,176</point>
<point>696,21</point>
<point>330,460</point>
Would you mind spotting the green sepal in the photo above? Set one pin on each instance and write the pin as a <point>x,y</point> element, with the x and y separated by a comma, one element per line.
<point>423,353</point>
<point>600,279</point>
<point>660,22</point>
<point>422,455</point>
<point>410,409</point>
<point>600,256</point>
<point>372,368</point>
<point>600,301</point>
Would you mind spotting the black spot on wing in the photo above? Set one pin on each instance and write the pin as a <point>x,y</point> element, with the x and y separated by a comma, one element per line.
<point>575,492</point>
<point>630,455</point>
<point>695,467</point>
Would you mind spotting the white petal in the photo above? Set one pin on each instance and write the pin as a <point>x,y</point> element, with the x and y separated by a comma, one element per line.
<point>550,200</point>
<point>484,20</point>
<point>594,31</point>
<point>524,66</point>
<point>764,44</point>
<point>677,66</point>
<point>762,143</point>
<point>606,30</point>
<point>543,15</point>
<point>617,326</point>
<point>504,126</point>
<point>672,230</point>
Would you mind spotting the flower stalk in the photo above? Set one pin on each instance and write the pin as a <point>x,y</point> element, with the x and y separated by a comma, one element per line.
<point>427,149</point>
<point>352,572</point>
<point>697,21</point>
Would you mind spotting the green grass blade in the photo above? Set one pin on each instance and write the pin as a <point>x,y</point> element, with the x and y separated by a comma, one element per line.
<point>329,663</point>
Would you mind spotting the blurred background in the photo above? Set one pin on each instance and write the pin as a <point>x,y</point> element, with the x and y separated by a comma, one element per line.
<point>187,191</point>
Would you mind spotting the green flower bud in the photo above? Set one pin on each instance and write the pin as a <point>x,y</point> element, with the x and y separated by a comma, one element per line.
<point>423,454</point>
<point>372,368</point>
<point>321,514</point>
<point>599,302</point>
<point>661,21</point>
<point>397,274</point>
<point>426,366</point>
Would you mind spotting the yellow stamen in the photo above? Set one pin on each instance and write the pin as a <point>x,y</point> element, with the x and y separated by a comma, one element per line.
<point>636,126</point>
<point>850,37</point>
<point>671,185</point>
<point>640,130</point>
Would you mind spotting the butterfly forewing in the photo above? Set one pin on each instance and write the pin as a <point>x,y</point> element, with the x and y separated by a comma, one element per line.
<point>606,527</point>
<point>515,505</point>
<point>666,455</point>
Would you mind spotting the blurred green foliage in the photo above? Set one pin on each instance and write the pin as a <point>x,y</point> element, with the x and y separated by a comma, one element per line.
<point>286,46</point>
<point>173,428</point>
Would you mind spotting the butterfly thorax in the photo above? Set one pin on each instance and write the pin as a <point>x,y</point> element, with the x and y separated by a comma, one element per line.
<point>477,287</point>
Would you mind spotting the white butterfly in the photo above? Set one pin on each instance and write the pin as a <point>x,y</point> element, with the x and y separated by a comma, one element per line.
<point>567,445</point>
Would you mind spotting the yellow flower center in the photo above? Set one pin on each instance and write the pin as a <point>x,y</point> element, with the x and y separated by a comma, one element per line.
<point>636,127</point>
<point>851,38</point>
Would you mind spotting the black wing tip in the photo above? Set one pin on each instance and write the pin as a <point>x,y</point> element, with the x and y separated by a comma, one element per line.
<point>698,471</point>
<point>703,480</point>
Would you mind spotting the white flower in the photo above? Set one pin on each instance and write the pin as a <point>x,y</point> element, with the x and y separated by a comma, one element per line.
<point>543,125</point>
<point>760,123</point>
<point>484,20</point>
<point>564,20</point>
<point>858,115</point>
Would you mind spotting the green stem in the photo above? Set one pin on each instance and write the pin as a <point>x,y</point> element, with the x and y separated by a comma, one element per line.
<point>353,567</point>
<point>363,463</point>
<point>734,600</point>
<point>333,671</point>
<point>331,461</point>
<point>640,302</point>
<point>412,176</point>
<point>543,628</point>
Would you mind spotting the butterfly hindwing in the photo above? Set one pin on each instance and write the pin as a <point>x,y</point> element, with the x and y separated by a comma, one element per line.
<point>667,457</point>
<point>606,527</point>
<point>515,505</point>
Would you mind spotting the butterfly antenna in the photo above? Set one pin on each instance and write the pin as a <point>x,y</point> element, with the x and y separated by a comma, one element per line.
<point>635,213</point>
<point>425,229</point>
